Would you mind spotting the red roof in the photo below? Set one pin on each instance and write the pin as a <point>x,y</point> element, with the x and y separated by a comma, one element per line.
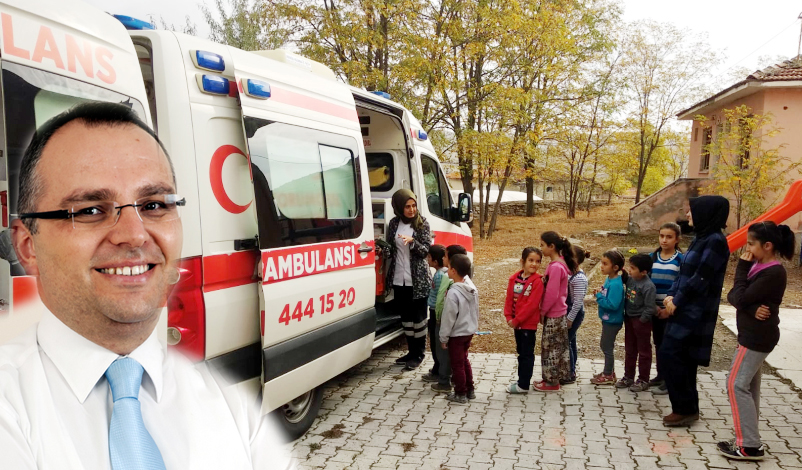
<point>788,70</point>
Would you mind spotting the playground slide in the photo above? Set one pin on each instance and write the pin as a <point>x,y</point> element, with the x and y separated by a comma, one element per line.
<point>790,205</point>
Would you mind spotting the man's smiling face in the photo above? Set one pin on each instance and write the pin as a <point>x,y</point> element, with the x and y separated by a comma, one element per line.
<point>78,268</point>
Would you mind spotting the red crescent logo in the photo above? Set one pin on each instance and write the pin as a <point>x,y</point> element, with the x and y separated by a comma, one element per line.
<point>216,178</point>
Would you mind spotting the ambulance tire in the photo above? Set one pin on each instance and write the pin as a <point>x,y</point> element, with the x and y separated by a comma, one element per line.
<point>297,416</point>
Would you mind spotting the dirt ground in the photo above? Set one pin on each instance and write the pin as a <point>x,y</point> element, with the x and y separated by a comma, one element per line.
<point>497,258</point>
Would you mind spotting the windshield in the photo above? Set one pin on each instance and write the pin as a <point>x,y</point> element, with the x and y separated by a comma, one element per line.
<point>30,98</point>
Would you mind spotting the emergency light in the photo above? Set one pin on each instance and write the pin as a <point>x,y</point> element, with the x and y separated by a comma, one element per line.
<point>208,61</point>
<point>213,84</point>
<point>133,23</point>
<point>419,134</point>
<point>256,88</point>
<point>383,94</point>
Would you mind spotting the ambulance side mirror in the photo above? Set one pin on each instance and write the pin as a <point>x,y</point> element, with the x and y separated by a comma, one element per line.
<point>464,208</point>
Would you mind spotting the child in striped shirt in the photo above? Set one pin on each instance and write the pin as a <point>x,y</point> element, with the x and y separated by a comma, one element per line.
<point>666,261</point>
<point>577,288</point>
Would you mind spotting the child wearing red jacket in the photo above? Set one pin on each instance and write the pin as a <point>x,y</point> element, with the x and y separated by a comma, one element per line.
<point>522,311</point>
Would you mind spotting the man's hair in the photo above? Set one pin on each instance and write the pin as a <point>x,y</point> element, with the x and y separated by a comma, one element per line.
<point>91,114</point>
<point>437,252</point>
<point>452,250</point>
<point>641,261</point>
<point>461,264</point>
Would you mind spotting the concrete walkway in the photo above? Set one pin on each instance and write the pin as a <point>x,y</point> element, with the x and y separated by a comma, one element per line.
<point>787,356</point>
<point>377,416</point>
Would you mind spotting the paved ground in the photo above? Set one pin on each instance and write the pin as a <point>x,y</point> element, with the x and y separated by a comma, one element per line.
<point>787,356</point>
<point>376,416</point>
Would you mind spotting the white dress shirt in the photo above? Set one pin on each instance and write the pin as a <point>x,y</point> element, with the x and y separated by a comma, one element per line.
<point>402,276</point>
<point>56,405</point>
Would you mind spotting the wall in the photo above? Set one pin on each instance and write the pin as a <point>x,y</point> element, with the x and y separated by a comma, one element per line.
<point>667,205</point>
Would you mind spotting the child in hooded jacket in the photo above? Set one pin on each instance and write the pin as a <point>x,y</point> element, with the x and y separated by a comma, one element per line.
<point>555,358</point>
<point>522,311</point>
<point>457,326</point>
<point>611,312</point>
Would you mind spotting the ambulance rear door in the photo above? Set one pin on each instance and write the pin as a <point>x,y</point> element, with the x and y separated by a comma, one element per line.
<point>314,222</point>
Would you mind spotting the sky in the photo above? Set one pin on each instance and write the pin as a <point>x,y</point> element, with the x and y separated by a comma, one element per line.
<point>742,30</point>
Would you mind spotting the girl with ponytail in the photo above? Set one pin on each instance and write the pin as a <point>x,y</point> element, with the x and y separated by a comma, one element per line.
<point>555,359</point>
<point>757,293</point>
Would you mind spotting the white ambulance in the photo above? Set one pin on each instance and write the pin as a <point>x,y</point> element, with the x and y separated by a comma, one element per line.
<point>278,270</point>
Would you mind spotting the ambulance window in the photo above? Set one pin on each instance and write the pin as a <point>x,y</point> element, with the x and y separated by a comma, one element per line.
<point>380,171</point>
<point>437,193</point>
<point>144,53</point>
<point>305,184</point>
<point>33,96</point>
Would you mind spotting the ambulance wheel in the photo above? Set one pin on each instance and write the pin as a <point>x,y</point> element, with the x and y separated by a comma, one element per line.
<point>297,416</point>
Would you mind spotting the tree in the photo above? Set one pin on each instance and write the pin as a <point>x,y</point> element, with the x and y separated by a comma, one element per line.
<point>666,73</point>
<point>745,166</point>
<point>247,27</point>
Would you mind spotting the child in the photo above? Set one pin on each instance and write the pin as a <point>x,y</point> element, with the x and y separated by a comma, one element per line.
<point>435,260</point>
<point>639,309</point>
<point>756,294</point>
<point>611,312</point>
<point>666,261</point>
<point>522,311</point>
<point>577,288</point>
<point>692,305</point>
<point>555,359</point>
<point>458,324</point>
<point>444,377</point>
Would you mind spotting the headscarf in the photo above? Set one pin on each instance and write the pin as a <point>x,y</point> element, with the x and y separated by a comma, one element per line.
<point>400,199</point>
<point>709,214</point>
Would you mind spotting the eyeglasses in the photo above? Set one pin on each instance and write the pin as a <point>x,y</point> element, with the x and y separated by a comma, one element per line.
<point>105,214</point>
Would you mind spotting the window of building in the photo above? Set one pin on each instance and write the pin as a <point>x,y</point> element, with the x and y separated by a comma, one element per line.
<point>707,139</point>
<point>438,196</point>
<point>305,184</point>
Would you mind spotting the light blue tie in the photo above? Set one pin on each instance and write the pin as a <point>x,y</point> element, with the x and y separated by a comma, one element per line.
<point>130,444</point>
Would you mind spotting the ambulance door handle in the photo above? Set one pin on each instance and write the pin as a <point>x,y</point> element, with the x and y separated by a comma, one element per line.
<point>246,244</point>
<point>365,248</point>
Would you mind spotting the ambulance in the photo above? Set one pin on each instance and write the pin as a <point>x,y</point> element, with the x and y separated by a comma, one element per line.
<point>287,174</point>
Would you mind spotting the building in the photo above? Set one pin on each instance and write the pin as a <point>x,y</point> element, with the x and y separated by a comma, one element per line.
<point>775,91</point>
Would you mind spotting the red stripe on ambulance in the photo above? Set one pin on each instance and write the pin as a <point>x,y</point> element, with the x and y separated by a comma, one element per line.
<point>291,263</point>
<point>313,104</point>
<point>452,238</point>
<point>229,270</point>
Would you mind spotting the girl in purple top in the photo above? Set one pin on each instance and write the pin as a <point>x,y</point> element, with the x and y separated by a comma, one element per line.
<point>555,359</point>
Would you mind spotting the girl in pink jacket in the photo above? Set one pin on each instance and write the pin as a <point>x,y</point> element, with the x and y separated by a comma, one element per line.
<point>555,359</point>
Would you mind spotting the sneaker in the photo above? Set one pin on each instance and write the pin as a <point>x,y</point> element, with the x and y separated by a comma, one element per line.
<point>413,364</point>
<point>429,377</point>
<point>639,386</point>
<point>403,359</point>
<point>568,381</point>
<point>601,379</point>
<point>471,395</point>
<point>545,387</point>
<point>440,388</point>
<point>660,390</point>
<point>514,388</point>
<point>676,420</point>
<point>453,397</point>
<point>732,451</point>
<point>657,382</point>
<point>625,382</point>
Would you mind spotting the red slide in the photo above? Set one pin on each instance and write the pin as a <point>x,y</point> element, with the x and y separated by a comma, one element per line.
<point>790,205</point>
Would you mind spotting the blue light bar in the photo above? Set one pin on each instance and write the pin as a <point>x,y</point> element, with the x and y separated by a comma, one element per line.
<point>213,84</point>
<point>420,135</point>
<point>209,61</point>
<point>383,94</point>
<point>133,23</point>
<point>256,88</point>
